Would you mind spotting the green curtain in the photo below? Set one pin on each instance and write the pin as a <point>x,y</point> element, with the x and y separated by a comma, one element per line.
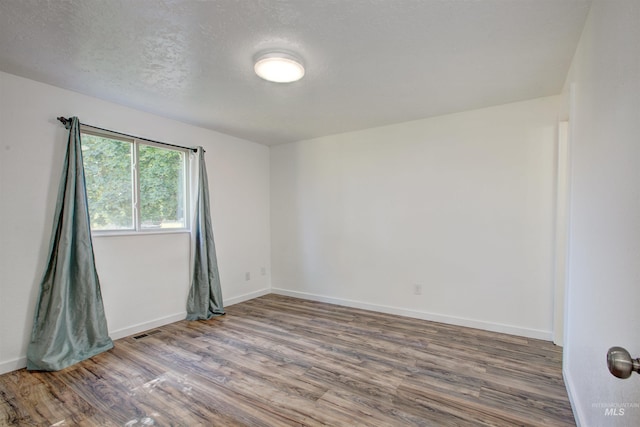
<point>205,295</point>
<point>69,323</point>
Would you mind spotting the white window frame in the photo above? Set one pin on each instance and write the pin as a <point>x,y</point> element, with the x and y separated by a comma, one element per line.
<point>136,142</point>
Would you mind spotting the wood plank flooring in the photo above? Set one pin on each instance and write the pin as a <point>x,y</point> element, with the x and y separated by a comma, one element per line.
<point>281,361</point>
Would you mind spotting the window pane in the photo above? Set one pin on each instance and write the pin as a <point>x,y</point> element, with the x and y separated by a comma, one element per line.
<point>162,190</point>
<point>107,167</point>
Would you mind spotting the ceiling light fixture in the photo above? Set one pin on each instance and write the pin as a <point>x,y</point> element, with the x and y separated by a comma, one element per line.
<point>279,67</point>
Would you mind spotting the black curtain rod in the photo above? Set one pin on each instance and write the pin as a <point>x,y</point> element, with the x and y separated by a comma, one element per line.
<point>64,121</point>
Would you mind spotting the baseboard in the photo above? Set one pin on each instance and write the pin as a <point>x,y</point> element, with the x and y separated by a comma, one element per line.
<point>246,297</point>
<point>125,332</point>
<point>13,365</point>
<point>575,407</point>
<point>434,317</point>
<point>145,326</point>
<point>21,362</point>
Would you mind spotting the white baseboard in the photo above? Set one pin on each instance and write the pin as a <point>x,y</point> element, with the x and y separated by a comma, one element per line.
<point>246,297</point>
<point>145,326</point>
<point>434,317</point>
<point>125,332</point>
<point>13,365</point>
<point>21,362</point>
<point>578,414</point>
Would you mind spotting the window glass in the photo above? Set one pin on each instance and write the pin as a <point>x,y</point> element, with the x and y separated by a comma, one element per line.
<point>161,187</point>
<point>108,175</point>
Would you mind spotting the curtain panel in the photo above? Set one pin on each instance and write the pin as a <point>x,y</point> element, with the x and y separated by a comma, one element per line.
<point>69,323</point>
<point>205,295</point>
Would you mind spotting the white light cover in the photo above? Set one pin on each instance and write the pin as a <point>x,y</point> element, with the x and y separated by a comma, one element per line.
<point>279,67</point>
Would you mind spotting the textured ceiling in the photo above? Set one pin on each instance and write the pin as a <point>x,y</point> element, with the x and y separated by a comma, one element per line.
<point>368,62</point>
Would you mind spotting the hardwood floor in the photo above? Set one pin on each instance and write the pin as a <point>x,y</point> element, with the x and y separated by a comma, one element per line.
<point>280,361</point>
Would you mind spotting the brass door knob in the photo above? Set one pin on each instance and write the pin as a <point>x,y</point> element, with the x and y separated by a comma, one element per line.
<point>621,364</point>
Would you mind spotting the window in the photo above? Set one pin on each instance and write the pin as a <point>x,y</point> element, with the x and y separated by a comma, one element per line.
<point>133,185</point>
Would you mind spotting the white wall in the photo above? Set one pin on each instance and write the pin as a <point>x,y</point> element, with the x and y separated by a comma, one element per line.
<point>604,262</point>
<point>144,278</point>
<point>461,204</point>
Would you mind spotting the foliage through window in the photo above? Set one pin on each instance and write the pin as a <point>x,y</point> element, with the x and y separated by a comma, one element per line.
<point>133,185</point>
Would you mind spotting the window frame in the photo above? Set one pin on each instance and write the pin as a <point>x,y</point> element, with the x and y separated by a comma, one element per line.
<point>135,179</point>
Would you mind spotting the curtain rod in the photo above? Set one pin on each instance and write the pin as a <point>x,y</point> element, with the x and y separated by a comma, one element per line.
<point>64,121</point>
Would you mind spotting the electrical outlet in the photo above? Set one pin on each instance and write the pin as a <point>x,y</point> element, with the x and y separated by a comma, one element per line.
<point>263,271</point>
<point>247,276</point>
<point>417,289</point>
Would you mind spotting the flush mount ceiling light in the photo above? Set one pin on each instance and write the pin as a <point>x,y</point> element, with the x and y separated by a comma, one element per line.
<point>279,67</point>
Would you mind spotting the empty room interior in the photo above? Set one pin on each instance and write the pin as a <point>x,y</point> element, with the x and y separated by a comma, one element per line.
<point>432,218</point>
